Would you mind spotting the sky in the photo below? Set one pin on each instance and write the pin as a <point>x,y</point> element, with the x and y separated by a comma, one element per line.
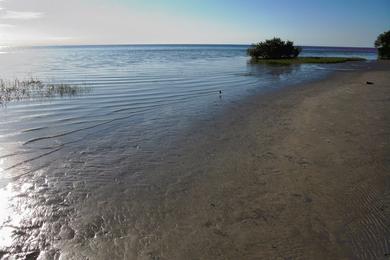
<point>354,23</point>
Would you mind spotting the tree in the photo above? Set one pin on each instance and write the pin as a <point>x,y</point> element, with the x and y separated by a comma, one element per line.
<point>382,43</point>
<point>274,49</point>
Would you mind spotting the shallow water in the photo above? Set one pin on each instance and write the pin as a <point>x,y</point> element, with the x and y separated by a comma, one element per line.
<point>79,175</point>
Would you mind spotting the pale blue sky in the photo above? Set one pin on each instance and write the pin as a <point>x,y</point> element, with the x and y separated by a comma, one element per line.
<point>307,22</point>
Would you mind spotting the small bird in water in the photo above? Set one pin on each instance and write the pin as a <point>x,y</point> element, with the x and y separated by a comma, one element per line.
<point>369,83</point>
<point>220,94</point>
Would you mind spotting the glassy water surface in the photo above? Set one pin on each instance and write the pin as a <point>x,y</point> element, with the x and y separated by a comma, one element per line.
<point>56,154</point>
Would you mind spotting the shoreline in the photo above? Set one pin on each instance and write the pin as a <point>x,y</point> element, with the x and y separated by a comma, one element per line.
<point>293,173</point>
<point>297,173</point>
<point>305,60</point>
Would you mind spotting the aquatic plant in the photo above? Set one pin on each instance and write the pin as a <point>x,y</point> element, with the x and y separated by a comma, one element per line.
<point>304,60</point>
<point>274,49</point>
<point>382,43</point>
<point>13,90</point>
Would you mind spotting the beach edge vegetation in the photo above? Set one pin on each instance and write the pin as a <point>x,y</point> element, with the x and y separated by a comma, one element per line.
<point>273,49</point>
<point>17,90</point>
<point>305,60</point>
<point>382,43</point>
<point>278,52</point>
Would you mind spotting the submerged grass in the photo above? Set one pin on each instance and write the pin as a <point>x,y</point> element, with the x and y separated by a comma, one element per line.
<point>14,90</point>
<point>305,60</point>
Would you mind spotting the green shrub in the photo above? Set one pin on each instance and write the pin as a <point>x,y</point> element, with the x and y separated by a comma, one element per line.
<point>274,49</point>
<point>382,43</point>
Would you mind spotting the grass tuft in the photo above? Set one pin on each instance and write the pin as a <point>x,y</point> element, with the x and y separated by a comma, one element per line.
<point>14,90</point>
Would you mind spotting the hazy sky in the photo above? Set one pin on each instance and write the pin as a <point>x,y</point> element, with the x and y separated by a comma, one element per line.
<point>307,22</point>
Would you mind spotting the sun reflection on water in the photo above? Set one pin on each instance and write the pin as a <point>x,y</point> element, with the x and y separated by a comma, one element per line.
<point>6,230</point>
<point>3,49</point>
<point>9,218</point>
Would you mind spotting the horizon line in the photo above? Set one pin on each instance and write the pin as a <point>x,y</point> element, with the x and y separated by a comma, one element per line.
<point>164,44</point>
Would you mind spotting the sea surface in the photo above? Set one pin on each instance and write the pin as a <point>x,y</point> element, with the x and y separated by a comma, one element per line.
<point>65,159</point>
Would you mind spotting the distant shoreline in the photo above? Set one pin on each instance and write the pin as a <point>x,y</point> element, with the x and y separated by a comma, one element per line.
<point>306,60</point>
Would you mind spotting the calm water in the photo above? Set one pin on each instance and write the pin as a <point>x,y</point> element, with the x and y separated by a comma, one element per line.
<point>60,156</point>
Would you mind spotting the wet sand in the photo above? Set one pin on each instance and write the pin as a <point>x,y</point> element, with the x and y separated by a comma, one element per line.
<point>302,173</point>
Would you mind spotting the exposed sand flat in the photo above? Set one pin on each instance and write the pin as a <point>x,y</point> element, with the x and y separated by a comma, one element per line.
<point>302,173</point>
<point>299,174</point>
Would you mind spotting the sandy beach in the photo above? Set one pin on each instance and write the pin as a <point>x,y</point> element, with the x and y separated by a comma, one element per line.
<point>301,173</point>
<point>194,130</point>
